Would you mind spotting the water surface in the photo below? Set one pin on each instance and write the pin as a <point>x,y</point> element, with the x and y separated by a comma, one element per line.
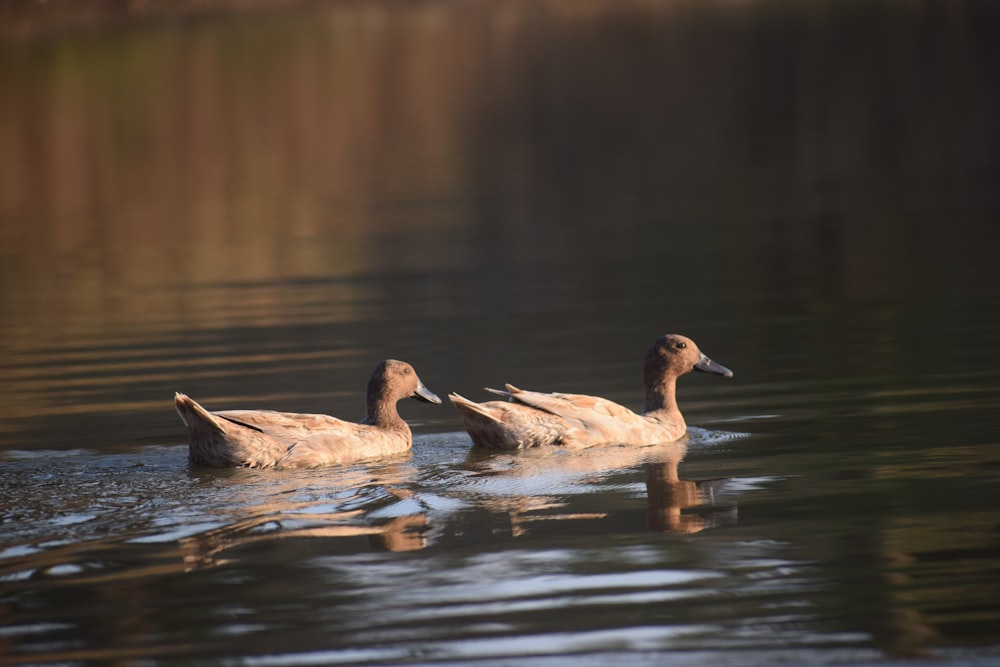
<point>256,208</point>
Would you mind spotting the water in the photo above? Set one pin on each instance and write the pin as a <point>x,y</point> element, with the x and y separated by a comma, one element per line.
<point>255,208</point>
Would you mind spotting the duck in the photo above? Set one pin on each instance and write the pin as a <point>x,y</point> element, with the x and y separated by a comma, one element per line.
<point>269,439</point>
<point>528,419</point>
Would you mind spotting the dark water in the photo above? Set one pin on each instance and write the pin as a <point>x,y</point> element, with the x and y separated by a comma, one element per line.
<point>256,208</point>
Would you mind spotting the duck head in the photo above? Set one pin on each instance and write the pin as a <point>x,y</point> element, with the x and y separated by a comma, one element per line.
<point>394,380</point>
<point>672,355</point>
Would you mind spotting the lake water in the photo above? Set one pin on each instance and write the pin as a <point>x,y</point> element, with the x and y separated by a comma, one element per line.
<point>256,208</point>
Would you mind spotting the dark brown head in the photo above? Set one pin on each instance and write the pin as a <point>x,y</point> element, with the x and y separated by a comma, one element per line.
<point>390,382</point>
<point>393,380</point>
<point>672,355</point>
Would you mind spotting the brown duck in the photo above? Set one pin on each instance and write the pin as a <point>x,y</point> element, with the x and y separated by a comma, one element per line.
<point>264,438</point>
<point>533,419</point>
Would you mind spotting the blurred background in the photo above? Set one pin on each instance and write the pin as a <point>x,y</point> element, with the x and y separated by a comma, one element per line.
<point>258,205</point>
<point>255,202</point>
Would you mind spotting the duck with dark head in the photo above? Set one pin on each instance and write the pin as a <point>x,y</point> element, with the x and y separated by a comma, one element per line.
<point>265,438</point>
<point>532,419</point>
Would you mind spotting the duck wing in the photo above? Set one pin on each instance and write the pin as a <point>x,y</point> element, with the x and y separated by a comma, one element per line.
<point>602,420</point>
<point>568,406</point>
<point>288,427</point>
<point>345,443</point>
<point>508,425</point>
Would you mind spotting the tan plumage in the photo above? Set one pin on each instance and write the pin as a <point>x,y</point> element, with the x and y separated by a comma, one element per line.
<point>264,438</point>
<point>533,419</point>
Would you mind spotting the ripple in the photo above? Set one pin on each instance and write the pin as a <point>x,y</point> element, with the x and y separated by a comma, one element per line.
<point>704,438</point>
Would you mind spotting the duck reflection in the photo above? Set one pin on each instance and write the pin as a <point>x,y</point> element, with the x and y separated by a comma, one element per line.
<point>403,533</point>
<point>536,482</point>
<point>528,489</point>
<point>674,505</point>
<point>287,511</point>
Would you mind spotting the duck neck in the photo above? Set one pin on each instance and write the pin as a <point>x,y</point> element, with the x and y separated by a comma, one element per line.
<point>380,410</point>
<point>661,396</point>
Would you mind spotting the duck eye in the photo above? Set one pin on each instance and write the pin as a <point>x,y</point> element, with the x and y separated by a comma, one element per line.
<point>681,345</point>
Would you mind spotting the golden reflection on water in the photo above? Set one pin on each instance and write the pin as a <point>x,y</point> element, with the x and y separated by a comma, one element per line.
<point>142,164</point>
<point>198,177</point>
<point>346,139</point>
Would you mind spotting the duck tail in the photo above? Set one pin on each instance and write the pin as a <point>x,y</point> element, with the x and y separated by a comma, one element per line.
<point>507,393</point>
<point>467,407</point>
<point>192,414</point>
<point>215,440</point>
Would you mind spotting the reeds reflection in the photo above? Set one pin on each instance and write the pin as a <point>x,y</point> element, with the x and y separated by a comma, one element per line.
<point>257,149</point>
<point>351,139</point>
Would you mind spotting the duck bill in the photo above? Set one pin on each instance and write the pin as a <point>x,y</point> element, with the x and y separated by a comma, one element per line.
<point>426,395</point>
<point>706,365</point>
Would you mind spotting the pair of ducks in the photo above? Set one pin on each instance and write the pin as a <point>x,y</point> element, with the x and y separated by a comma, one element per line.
<point>264,438</point>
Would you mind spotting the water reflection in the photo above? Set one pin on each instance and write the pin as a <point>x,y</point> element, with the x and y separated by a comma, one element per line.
<point>496,543</point>
<point>287,513</point>
<point>397,506</point>
<point>529,485</point>
<point>501,485</point>
<point>230,520</point>
<point>678,506</point>
<point>399,534</point>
